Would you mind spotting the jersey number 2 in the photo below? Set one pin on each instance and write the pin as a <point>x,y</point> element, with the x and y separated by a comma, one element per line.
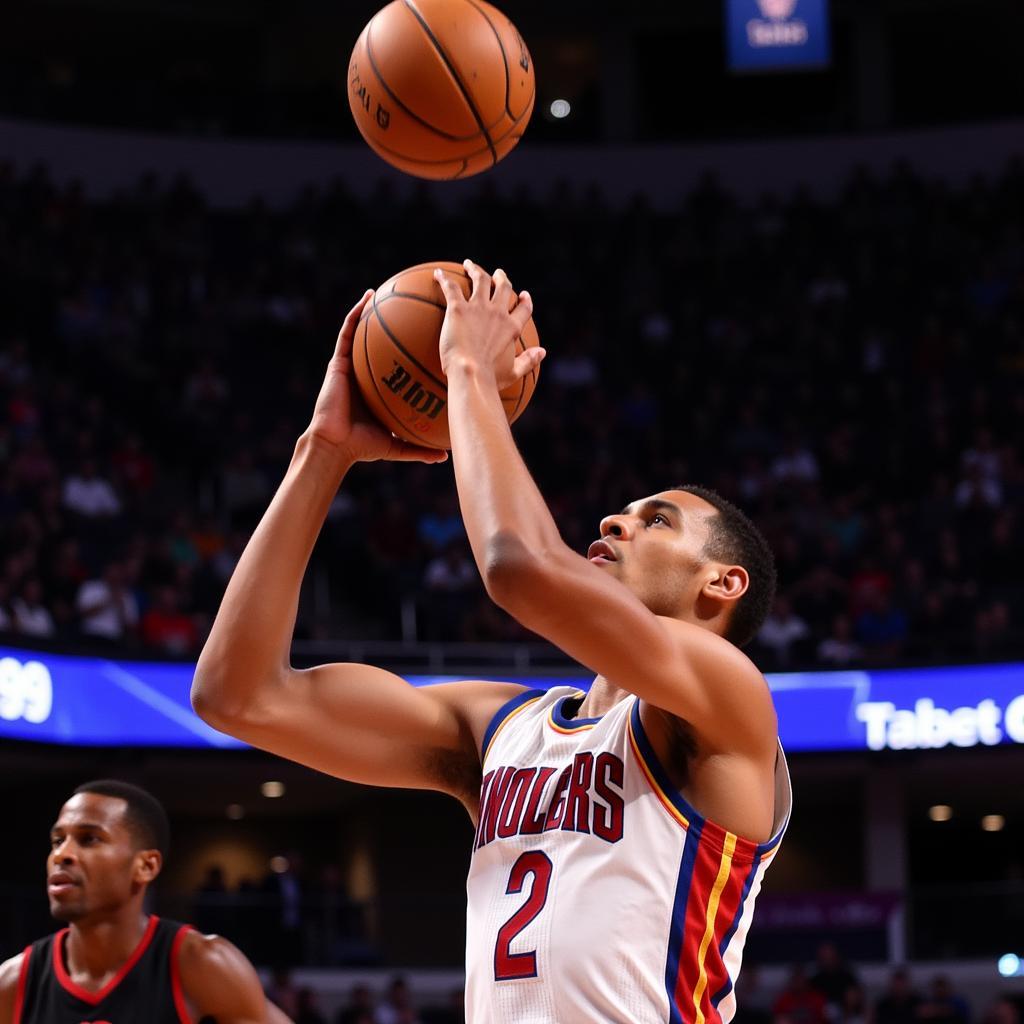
<point>509,966</point>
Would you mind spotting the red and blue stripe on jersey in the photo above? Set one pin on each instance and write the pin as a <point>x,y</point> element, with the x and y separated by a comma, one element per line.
<point>716,872</point>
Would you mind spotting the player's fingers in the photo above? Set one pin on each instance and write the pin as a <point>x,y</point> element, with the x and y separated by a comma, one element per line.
<point>403,451</point>
<point>527,361</point>
<point>343,346</point>
<point>523,311</point>
<point>503,291</point>
<point>451,291</point>
<point>480,278</point>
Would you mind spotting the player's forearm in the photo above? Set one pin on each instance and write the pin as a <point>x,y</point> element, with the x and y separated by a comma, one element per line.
<point>249,644</point>
<point>504,512</point>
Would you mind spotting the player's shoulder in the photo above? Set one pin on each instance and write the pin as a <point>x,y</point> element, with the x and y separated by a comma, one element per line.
<point>207,952</point>
<point>217,977</point>
<point>476,703</point>
<point>10,971</point>
<point>10,976</point>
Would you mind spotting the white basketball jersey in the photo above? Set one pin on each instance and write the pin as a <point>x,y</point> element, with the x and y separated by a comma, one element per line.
<point>596,893</point>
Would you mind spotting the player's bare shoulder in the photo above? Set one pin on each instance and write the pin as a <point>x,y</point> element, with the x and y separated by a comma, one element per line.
<point>10,975</point>
<point>737,703</point>
<point>474,704</point>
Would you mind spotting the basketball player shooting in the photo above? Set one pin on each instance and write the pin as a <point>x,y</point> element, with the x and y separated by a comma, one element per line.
<point>114,962</point>
<point>621,835</point>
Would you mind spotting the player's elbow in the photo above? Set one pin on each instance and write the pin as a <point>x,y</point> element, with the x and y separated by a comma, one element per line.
<point>512,573</point>
<point>225,699</point>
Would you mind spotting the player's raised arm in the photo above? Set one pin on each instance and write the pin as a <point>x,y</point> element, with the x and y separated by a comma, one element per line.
<point>675,665</point>
<point>353,721</point>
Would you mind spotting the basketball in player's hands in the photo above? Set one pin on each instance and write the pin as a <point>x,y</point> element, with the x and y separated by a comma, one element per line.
<point>397,360</point>
<point>441,88</point>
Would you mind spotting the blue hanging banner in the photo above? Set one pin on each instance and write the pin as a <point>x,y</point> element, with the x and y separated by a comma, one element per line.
<point>54,698</point>
<point>777,35</point>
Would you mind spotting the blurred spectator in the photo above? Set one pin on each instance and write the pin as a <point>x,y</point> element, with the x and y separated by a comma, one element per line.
<point>31,617</point>
<point>942,1005</point>
<point>282,991</point>
<point>397,1007</point>
<point>783,632</point>
<point>167,629</point>
<point>753,1002</point>
<point>450,581</point>
<point>306,1009</point>
<point>839,649</point>
<point>106,606</point>
<point>899,1003</point>
<point>90,495</point>
<point>832,976</point>
<point>854,1007</point>
<point>1003,1011</point>
<point>454,1012</point>
<point>799,1003</point>
<point>881,628</point>
<point>359,1009</point>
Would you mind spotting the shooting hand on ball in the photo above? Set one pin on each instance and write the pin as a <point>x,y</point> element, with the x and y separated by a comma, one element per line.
<point>340,417</point>
<point>481,330</point>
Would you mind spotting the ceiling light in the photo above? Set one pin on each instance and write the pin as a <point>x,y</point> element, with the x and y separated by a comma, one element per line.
<point>993,822</point>
<point>272,790</point>
<point>560,108</point>
<point>279,865</point>
<point>235,811</point>
<point>940,812</point>
<point>1009,965</point>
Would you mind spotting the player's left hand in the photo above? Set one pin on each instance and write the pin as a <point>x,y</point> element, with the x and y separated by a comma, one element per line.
<point>482,329</point>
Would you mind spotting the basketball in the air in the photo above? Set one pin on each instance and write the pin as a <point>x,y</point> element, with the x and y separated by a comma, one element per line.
<point>441,88</point>
<point>397,358</point>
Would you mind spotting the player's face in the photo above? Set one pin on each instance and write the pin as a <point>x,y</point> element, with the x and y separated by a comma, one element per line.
<point>655,547</point>
<point>94,866</point>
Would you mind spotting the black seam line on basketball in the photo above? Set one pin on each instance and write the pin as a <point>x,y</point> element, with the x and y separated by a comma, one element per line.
<point>377,145</point>
<point>456,76</point>
<point>401,348</point>
<point>393,281</point>
<point>504,57</point>
<point>383,400</point>
<point>405,109</point>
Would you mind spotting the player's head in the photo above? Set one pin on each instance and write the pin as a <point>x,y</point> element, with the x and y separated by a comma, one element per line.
<point>689,554</point>
<point>107,844</point>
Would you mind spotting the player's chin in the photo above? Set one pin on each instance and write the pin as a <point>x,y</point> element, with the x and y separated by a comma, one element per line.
<point>66,910</point>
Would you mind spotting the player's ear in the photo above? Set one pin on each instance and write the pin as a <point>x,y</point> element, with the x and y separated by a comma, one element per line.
<point>147,865</point>
<point>728,584</point>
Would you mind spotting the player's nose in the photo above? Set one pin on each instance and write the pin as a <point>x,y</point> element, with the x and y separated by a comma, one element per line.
<point>618,526</point>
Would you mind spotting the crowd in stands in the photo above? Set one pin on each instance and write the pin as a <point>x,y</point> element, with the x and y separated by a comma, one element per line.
<point>832,993</point>
<point>851,373</point>
<point>829,993</point>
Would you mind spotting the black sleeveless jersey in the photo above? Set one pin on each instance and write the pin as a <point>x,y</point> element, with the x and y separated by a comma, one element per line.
<point>147,989</point>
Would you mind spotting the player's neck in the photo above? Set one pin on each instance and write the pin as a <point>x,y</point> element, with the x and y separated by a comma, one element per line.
<point>603,696</point>
<point>98,947</point>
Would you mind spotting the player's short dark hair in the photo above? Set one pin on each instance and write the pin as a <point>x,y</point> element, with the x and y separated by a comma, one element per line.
<point>145,815</point>
<point>734,538</point>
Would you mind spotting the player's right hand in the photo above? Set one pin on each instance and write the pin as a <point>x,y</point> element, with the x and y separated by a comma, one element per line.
<point>341,419</point>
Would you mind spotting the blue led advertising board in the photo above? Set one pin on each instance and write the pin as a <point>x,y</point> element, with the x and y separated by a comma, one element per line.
<point>104,702</point>
<point>777,35</point>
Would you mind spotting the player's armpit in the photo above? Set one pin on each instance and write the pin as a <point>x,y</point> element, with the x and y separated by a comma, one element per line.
<point>367,725</point>
<point>686,670</point>
<point>218,981</point>
<point>10,975</point>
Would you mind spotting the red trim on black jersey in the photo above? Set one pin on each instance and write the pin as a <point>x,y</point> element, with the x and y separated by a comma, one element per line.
<point>19,996</point>
<point>179,995</point>
<point>95,998</point>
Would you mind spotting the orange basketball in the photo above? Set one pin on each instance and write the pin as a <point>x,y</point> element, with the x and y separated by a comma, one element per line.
<point>441,88</point>
<point>398,363</point>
